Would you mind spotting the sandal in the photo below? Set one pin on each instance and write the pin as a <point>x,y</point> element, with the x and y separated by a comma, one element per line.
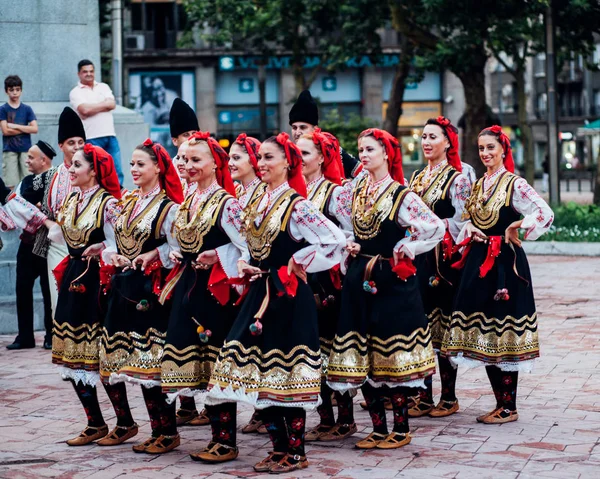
<point>483,416</point>
<point>252,426</point>
<point>184,416</point>
<point>289,463</point>
<point>394,440</point>
<point>262,429</point>
<point>445,408</point>
<point>363,404</point>
<point>268,462</point>
<point>88,435</point>
<point>119,435</point>
<point>163,444</point>
<point>339,432</point>
<point>215,453</point>
<point>371,441</point>
<point>501,416</point>
<point>316,432</point>
<point>420,408</point>
<point>143,445</point>
<point>201,419</point>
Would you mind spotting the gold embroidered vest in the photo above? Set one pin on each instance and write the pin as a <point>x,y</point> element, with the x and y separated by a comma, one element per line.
<point>485,213</point>
<point>77,229</point>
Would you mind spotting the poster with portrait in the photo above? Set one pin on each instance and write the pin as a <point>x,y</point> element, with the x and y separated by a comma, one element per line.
<point>151,94</point>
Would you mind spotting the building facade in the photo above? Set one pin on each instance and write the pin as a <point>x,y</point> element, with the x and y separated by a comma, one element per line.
<point>222,86</point>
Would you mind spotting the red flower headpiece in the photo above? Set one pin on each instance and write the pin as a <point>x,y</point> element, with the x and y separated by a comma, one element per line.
<point>452,134</point>
<point>392,149</point>
<point>504,140</point>
<point>252,146</point>
<point>330,149</point>
<point>294,157</point>
<point>104,166</point>
<point>168,177</point>
<point>221,159</point>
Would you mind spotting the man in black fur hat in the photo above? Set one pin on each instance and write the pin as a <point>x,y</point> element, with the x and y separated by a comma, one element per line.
<point>304,117</point>
<point>182,122</point>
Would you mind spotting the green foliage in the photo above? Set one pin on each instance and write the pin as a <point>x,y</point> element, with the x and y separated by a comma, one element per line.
<point>346,129</point>
<point>575,223</point>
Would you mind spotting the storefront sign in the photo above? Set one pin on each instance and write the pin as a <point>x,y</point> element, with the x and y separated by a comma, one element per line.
<point>230,63</point>
<point>246,85</point>
<point>415,114</point>
<point>329,84</point>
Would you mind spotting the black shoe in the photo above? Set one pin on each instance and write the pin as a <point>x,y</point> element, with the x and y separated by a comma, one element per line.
<point>48,344</point>
<point>19,345</point>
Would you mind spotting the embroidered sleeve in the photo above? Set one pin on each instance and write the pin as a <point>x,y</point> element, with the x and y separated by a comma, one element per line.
<point>537,215</point>
<point>326,240</point>
<point>165,230</point>
<point>25,216</point>
<point>6,222</point>
<point>460,191</point>
<point>426,229</point>
<point>231,253</point>
<point>340,207</point>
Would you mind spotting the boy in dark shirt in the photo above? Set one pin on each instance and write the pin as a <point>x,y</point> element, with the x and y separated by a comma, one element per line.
<point>18,122</point>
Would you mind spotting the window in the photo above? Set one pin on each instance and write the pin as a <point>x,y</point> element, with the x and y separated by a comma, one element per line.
<point>507,99</point>
<point>542,105</point>
<point>539,65</point>
<point>596,55</point>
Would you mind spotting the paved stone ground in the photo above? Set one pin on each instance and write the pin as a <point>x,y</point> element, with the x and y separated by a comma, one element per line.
<point>557,435</point>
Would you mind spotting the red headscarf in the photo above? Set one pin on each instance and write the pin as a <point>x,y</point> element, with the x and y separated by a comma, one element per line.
<point>392,149</point>
<point>452,134</point>
<point>221,159</point>
<point>504,140</point>
<point>330,148</point>
<point>168,177</point>
<point>251,145</point>
<point>104,166</point>
<point>294,157</point>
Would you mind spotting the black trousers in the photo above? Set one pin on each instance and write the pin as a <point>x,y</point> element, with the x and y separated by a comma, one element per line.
<point>29,267</point>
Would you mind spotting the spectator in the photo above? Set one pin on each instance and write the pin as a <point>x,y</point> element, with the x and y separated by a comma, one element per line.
<point>31,266</point>
<point>94,103</point>
<point>18,122</point>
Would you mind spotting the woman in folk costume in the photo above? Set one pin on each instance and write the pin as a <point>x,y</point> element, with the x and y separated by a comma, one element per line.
<point>187,186</point>
<point>135,326</point>
<point>243,165</point>
<point>494,321</point>
<point>323,172</point>
<point>271,357</point>
<point>84,223</point>
<point>383,341</point>
<point>445,190</point>
<point>206,228</point>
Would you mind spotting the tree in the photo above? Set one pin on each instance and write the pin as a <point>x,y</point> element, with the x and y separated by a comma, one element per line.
<point>452,35</point>
<point>336,30</point>
<point>520,34</point>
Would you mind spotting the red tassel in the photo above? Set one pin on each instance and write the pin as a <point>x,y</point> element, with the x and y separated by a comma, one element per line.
<point>218,284</point>
<point>59,271</point>
<point>155,270</point>
<point>336,277</point>
<point>106,273</point>
<point>289,280</point>
<point>494,247</point>
<point>404,269</point>
<point>447,246</point>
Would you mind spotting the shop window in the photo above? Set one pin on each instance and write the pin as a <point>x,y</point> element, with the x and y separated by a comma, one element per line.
<point>233,120</point>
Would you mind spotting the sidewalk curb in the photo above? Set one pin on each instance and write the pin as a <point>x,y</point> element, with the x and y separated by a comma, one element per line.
<point>561,248</point>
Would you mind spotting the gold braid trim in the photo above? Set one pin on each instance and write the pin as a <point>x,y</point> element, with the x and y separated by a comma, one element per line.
<point>354,357</point>
<point>77,229</point>
<point>491,337</point>
<point>75,345</point>
<point>485,213</point>
<point>130,237</point>
<point>437,189</point>
<point>319,196</point>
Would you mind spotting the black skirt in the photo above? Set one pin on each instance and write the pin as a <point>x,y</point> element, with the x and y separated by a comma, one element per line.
<point>187,362</point>
<point>134,332</point>
<point>485,327</point>
<point>438,283</point>
<point>328,301</point>
<point>281,366</point>
<point>384,337</point>
<point>77,320</point>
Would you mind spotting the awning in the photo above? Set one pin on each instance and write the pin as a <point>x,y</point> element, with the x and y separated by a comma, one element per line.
<point>591,129</point>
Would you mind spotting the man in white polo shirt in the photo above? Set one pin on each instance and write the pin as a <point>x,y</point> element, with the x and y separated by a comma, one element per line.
<point>94,103</point>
